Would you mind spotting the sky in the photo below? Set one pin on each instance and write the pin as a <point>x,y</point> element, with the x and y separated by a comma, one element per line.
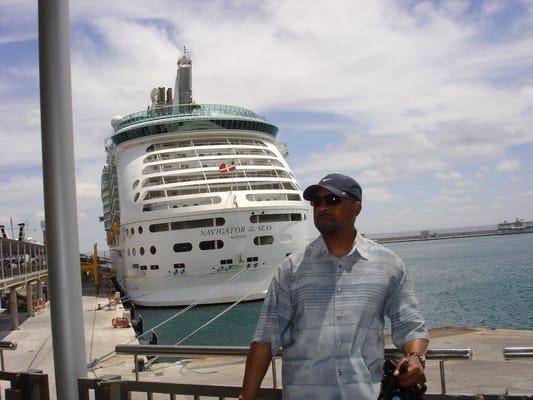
<point>428,104</point>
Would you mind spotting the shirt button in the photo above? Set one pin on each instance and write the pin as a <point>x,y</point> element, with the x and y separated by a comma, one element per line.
<point>338,316</point>
<point>339,290</point>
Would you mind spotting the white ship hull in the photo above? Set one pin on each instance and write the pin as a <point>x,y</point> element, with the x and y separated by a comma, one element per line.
<point>207,278</point>
<point>200,205</point>
<point>226,287</point>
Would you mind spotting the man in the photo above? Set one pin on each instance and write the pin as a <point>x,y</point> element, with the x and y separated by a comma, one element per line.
<point>326,308</point>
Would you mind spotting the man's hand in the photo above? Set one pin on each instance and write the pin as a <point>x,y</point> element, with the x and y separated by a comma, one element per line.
<point>409,371</point>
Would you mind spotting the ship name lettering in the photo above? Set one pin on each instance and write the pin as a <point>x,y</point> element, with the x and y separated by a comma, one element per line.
<point>264,228</point>
<point>232,230</point>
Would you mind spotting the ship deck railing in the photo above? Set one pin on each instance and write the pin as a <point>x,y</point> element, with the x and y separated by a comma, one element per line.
<point>187,110</point>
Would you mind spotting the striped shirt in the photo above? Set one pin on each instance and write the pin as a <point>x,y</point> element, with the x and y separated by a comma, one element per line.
<point>328,315</point>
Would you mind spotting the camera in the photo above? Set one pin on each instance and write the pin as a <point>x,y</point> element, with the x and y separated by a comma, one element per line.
<point>391,388</point>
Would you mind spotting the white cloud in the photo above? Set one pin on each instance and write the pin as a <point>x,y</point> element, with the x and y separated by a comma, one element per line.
<point>508,165</point>
<point>420,89</point>
<point>376,195</point>
<point>447,176</point>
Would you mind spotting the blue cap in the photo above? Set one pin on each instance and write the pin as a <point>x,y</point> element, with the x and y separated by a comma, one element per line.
<point>338,184</point>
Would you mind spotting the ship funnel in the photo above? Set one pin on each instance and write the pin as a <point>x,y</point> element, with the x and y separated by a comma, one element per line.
<point>183,86</point>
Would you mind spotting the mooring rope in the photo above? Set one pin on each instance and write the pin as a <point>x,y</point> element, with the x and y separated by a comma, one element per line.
<point>98,360</point>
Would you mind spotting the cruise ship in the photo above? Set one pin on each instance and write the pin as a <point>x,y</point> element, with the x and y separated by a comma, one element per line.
<point>200,205</point>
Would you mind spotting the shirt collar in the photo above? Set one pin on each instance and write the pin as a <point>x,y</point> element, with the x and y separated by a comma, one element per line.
<point>359,247</point>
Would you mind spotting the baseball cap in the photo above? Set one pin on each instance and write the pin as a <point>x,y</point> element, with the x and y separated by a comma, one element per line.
<point>338,184</point>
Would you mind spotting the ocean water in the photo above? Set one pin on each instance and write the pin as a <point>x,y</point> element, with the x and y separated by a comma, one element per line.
<point>468,282</point>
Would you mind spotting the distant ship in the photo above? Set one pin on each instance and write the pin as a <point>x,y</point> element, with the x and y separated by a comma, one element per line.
<point>200,205</point>
<point>518,226</point>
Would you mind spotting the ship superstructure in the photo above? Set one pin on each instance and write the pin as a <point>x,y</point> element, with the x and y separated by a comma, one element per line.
<point>199,201</point>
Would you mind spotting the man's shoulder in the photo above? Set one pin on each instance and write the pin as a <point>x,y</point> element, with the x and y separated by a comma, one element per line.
<point>294,260</point>
<point>379,253</point>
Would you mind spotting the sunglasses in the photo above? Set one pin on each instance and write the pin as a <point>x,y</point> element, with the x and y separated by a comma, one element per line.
<point>330,200</point>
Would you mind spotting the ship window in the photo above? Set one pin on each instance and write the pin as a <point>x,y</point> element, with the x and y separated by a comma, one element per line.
<point>275,217</point>
<point>273,197</point>
<point>154,267</point>
<point>252,259</point>
<point>179,265</point>
<point>135,266</point>
<point>140,229</point>
<point>143,268</point>
<point>158,227</point>
<point>182,247</point>
<point>152,249</point>
<point>141,251</point>
<point>287,254</point>
<point>135,184</point>
<point>132,231</point>
<point>294,197</point>
<point>133,252</point>
<point>211,244</point>
<point>263,240</point>
<point>197,223</point>
<point>154,194</point>
<point>129,253</point>
<point>226,261</point>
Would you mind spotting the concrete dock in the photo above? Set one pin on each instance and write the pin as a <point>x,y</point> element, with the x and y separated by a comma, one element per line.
<point>487,373</point>
<point>34,341</point>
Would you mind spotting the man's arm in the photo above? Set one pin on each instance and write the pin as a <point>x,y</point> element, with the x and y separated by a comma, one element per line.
<point>257,362</point>
<point>415,372</point>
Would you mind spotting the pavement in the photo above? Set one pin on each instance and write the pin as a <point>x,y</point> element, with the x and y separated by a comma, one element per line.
<point>486,373</point>
<point>34,341</point>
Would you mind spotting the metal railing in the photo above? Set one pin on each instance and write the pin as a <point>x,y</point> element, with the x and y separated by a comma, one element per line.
<point>440,355</point>
<point>18,258</point>
<point>517,352</point>
<point>27,385</point>
<point>5,345</point>
<point>112,388</point>
<point>186,110</point>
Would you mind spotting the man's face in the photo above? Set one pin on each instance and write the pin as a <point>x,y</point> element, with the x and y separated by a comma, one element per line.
<point>331,219</point>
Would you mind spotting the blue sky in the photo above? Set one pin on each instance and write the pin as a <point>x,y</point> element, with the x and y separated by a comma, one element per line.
<point>428,104</point>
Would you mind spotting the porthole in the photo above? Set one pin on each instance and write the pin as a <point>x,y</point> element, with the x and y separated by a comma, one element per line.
<point>263,240</point>
<point>158,227</point>
<point>133,252</point>
<point>136,197</point>
<point>182,247</point>
<point>152,249</point>
<point>132,231</point>
<point>141,251</point>
<point>135,184</point>
<point>129,253</point>
<point>140,230</point>
<point>211,244</point>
